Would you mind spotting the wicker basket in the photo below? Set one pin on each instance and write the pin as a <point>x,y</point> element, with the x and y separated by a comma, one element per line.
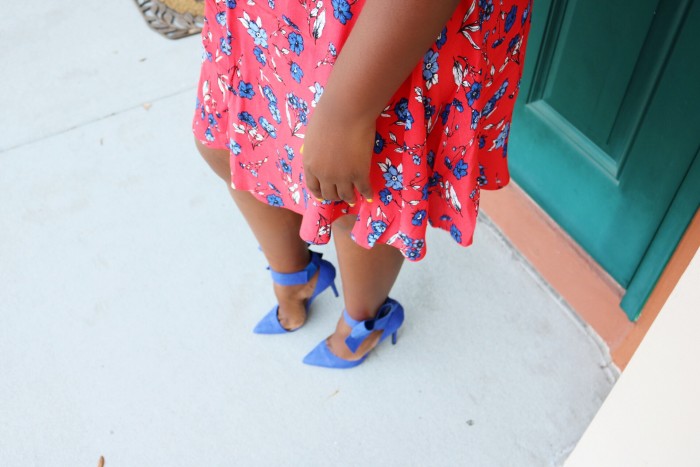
<point>173,19</point>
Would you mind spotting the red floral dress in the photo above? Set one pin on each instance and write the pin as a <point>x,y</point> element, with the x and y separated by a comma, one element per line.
<point>440,139</point>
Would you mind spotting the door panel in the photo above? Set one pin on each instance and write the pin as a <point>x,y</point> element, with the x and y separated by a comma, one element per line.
<point>609,123</point>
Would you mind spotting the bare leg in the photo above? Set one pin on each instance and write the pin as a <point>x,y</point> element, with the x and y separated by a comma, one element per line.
<point>277,231</point>
<point>368,276</point>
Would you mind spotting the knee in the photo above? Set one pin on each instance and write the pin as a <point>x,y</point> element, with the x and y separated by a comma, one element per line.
<point>218,160</point>
<point>343,225</point>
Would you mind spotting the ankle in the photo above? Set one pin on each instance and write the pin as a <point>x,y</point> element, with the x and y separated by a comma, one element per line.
<point>291,263</point>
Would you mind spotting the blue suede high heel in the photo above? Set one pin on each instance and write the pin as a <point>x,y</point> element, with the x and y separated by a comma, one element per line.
<point>389,319</point>
<point>270,323</point>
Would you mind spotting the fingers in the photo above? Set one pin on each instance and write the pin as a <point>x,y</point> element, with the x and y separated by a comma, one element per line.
<point>329,192</point>
<point>364,188</point>
<point>346,192</point>
<point>313,185</point>
<point>339,192</point>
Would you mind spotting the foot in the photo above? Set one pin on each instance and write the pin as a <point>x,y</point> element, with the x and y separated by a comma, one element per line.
<point>292,301</point>
<point>336,342</point>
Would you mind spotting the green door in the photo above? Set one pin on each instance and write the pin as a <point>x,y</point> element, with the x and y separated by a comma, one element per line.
<point>607,129</point>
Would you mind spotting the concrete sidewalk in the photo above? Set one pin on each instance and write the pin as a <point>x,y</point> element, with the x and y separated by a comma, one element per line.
<point>129,286</point>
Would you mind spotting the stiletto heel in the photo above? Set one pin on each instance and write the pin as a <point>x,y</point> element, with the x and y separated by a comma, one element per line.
<point>389,319</point>
<point>270,324</point>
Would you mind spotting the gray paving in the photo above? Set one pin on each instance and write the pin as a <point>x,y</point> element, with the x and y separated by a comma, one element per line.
<point>129,286</point>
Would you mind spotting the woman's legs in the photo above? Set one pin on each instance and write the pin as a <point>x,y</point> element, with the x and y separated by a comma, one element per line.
<point>277,232</point>
<point>368,276</point>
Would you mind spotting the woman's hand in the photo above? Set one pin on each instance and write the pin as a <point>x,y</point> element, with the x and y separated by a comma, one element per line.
<point>337,152</point>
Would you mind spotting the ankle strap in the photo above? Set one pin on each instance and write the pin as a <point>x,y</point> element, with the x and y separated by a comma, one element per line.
<point>362,329</point>
<point>299,277</point>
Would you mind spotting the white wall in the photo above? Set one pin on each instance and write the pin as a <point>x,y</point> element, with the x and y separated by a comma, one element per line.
<point>652,415</point>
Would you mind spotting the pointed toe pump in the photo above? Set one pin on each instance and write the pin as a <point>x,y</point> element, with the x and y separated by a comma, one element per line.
<point>389,319</point>
<point>270,323</point>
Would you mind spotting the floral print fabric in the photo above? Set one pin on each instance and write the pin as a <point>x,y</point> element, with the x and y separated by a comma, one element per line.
<point>441,138</point>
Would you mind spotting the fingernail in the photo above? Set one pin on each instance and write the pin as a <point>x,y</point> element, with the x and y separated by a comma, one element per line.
<point>301,149</point>
<point>319,200</point>
<point>370,200</point>
<point>352,205</point>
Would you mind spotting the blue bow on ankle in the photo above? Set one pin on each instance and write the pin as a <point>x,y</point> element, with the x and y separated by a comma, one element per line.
<point>362,329</point>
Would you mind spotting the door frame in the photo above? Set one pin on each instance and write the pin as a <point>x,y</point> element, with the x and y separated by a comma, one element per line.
<point>663,244</point>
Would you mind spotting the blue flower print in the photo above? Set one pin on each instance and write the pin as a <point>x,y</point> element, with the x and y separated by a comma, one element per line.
<point>425,192</point>
<point>488,108</point>
<point>474,93</point>
<point>403,114</point>
<point>486,8</point>
<point>267,126</point>
<point>458,105</point>
<point>293,100</point>
<point>247,118</point>
<point>513,42</point>
<point>274,200</point>
<point>394,178</point>
<point>526,12</point>
<point>206,55</point>
<point>429,108</point>
<point>481,179</point>
<point>460,169</point>
<point>416,159</point>
<point>378,143</point>
<point>221,18</point>
<point>211,119</point>
<point>269,95</point>
<point>231,4</point>
<point>372,238</point>
<point>245,90</point>
<point>296,43</point>
<point>501,90</point>
<point>444,115</point>
<point>456,234</point>
<point>418,217</point>
<point>448,163</point>
<point>225,45</point>
<point>318,92</point>
<point>234,147</point>
<point>289,22</point>
<point>286,168</point>
<point>430,68</point>
<point>290,151</point>
<point>341,11</point>
<point>378,226</point>
<point>502,138</point>
<point>259,55</point>
<point>412,253</point>
<point>405,239</point>
<point>209,135</point>
<point>431,159</point>
<point>332,49</point>
<point>442,38</point>
<point>297,72</point>
<point>385,196</point>
<point>476,116</point>
<point>271,4</point>
<point>275,112</point>
<point>482,142</point>
<point>510,19</point>
<point>258,34</point>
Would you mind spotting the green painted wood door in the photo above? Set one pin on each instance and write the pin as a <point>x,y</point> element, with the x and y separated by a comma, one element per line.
<point>608,126</point>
